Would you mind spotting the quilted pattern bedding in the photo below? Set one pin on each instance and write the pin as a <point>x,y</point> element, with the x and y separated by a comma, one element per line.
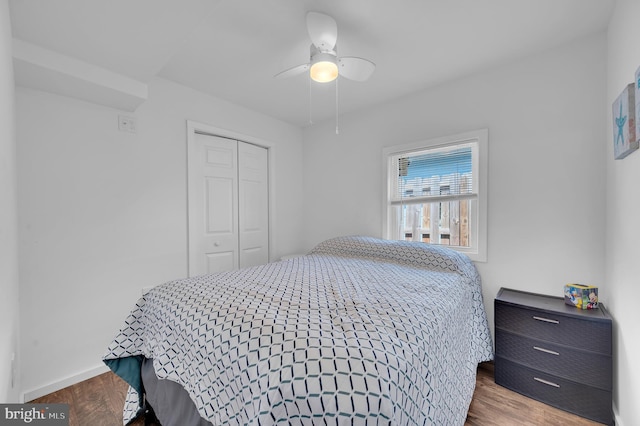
<point>359,331</point>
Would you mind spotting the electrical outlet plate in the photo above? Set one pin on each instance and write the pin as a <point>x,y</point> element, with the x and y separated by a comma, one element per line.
<point>13,370</point>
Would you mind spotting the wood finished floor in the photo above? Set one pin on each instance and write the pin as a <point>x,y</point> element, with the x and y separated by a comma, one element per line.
<point>98,402</point>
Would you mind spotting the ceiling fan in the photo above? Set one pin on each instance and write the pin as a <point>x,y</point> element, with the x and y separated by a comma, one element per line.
<point>324,64</point>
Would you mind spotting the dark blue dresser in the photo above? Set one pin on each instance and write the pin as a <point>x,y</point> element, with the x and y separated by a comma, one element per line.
<point>555,353</point>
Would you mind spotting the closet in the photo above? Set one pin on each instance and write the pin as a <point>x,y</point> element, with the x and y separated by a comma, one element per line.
<point>228,204</point>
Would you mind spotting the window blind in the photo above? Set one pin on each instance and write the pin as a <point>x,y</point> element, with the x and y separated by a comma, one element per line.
<point>439,174</point>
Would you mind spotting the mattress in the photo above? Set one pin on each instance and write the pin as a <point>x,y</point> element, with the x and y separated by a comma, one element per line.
<point>359,331</point>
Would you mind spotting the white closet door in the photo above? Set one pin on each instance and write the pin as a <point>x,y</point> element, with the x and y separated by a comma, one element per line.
<point>213,201</point>
<point>228,204</point>
<point>253,204</point>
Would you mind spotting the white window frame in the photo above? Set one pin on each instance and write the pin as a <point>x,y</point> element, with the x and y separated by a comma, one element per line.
<point>478,231</point>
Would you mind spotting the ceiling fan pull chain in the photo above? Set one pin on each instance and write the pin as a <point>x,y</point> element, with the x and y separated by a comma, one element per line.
<point>337,128</point>
<point>310,120</point>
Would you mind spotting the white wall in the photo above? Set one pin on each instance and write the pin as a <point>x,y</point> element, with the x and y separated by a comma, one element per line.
<point>103,213</point>
<point>546,168</point>
<point>8,219</point>
<point>622,228</point>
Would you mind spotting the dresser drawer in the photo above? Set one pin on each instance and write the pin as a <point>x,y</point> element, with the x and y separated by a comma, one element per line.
<point>590,368</point>
<point>586,401</point>
<point>592,336</point>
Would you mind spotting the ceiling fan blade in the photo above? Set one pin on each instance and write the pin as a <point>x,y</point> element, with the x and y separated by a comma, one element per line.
<point>298,69</point>
<point>323,30</point>
<point>354,68</point>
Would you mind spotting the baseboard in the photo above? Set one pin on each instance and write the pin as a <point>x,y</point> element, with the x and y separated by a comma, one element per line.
<point>616,417</point>
<point>61,384</point>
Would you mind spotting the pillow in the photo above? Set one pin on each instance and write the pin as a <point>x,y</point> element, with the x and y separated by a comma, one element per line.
<point>406,252</point>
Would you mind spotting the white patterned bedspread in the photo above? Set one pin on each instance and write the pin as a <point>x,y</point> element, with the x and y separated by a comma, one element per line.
<point>360,331</point>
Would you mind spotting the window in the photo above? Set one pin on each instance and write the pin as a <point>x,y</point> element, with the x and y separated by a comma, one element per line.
<point>436,192</point>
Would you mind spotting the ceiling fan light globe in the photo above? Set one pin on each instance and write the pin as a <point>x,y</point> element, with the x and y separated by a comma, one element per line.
<point>324,71</point>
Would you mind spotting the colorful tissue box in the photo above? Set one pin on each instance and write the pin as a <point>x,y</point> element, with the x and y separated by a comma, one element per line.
<point>581,296</point>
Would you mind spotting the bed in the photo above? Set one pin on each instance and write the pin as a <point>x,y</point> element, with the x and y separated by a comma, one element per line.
<point>359,331</point>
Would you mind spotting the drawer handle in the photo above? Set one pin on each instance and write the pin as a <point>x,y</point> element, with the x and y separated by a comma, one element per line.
<point>547,351</point>
<point>546,382</point>
<point>546,320</point>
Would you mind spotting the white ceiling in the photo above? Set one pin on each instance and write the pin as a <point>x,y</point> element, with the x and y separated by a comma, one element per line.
<point>231,49</point>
